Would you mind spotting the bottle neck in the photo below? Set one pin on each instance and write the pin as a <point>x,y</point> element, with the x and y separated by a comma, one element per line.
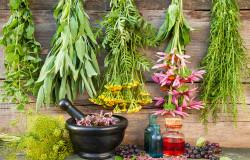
<point>173,128</point>
<point>152,119</point>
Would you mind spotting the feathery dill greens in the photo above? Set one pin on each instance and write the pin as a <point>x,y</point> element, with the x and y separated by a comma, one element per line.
<point>43,137</point>
<point>22,62</point>
<point>71,64</point>
<point>123,86</point>
<point>176,27</point>
<point>226,63</point>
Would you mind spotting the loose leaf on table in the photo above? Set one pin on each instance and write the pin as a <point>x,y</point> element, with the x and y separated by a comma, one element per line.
<point>68,66</point>
<point>200,142</point>
<point>21,62</point>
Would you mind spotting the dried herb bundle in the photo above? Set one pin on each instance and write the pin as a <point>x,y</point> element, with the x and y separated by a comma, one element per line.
<point>123,85</point>
<point>226,63</point>
<point>22,62</point>
<point>71,64</point>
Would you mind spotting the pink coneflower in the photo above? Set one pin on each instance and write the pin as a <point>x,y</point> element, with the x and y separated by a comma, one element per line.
<point>196,76</point>
<point>160,101</point>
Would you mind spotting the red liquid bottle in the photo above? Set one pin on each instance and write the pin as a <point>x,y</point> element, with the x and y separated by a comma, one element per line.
<point>173,140</point>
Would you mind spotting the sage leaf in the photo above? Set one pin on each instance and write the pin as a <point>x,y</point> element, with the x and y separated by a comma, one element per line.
<point>40,98</point>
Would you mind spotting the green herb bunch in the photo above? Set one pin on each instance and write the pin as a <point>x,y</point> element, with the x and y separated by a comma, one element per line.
<point>176,27</point>
<point>43,138</point>
<point>71,64</point>
<point>21,49</point>
<point>123,86</point>
<point>226,63</point>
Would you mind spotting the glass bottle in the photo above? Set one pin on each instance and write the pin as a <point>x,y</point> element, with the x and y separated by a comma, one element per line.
<point>156,142</point>
<point>173,140</point>
<point>148,130</point>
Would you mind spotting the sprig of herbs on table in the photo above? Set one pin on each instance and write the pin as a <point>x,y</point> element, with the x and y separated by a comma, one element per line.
<point>71,63</point>
<point>123,86</point>
<point>226,63</point>
<point>22,62</point>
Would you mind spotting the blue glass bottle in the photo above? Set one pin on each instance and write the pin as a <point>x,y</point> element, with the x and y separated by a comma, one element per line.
<point>156,143</point>
<point>148,130</point>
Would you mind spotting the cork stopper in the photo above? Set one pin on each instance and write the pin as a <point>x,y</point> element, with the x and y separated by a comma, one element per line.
<point>173,121</point>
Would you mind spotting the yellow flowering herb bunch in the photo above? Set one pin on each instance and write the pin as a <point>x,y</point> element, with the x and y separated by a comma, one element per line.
<point>123,86</point>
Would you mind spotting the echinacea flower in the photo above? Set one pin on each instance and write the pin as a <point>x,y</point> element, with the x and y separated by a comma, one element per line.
<point>174,58</point>
<point>196,76</point>
<point>160,101</point>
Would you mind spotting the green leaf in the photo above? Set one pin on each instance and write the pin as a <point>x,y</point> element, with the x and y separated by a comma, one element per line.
<point>40,98</point>
<point>69,62</point>
<point>88,30</point>
<point>30,31</point>
<point>65,38</point>
<point>15,4</point>
<point>61,28</point>
<point>86,84</point>
<point>90,70</point>
<point>200,142</point>
<point>19,95</point>
<point>94,62</point>
<point>59,60</point>
<point>80,48</point>
<point>47,89</point>
<point>10,49</point>
<point>64,13</point>
<point>118,158</point>
<point>73,27</point>
<point>62,91</point>
<point>173,12</point>
<point>47,67</point>
<point>30,82</point>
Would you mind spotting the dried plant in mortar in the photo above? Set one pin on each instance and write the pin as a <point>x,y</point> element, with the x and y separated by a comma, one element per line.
<point>71,65</point>
<point>22,62</point>
<point>226,64</point>
<point>123,86</point>
<point>97,119</point>
<point>172,77</point>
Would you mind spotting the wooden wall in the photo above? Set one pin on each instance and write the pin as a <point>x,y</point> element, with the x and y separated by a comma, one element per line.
<point>197,14</point>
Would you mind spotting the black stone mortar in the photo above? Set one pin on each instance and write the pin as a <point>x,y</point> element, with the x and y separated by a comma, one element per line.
<point>95,142</point>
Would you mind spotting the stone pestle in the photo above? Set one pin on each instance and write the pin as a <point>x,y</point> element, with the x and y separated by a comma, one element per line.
<point>67,106</point>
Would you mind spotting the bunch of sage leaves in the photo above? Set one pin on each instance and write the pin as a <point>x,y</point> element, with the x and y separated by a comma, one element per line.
<point>71,63</point>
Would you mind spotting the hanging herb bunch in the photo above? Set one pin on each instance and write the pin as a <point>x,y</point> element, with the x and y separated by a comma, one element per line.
<point>172,73</point>
<point>21,49</point>
<point>123,86</point>
<point>226,64</point>
<point>71,64</point>
<point>176,27</point>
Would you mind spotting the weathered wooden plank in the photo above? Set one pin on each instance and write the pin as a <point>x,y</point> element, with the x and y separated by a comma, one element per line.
<point>141,4</point>
<point>3,4</point>
<point>138,121</point>
<point>46,27</point>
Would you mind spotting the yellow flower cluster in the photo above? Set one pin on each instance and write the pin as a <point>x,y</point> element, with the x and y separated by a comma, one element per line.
<point>128,97</point>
